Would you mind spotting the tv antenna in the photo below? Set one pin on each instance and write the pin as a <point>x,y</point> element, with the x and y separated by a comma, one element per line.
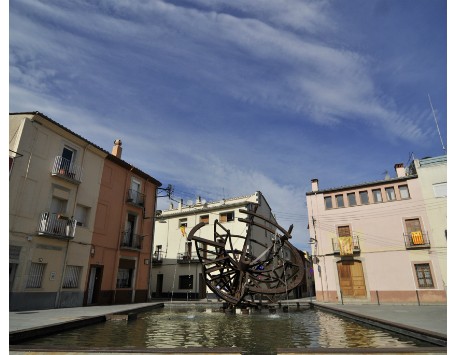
<point>436,122</point>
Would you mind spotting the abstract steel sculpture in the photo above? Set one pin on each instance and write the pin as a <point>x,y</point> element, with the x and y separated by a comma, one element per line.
<point>243,270</point>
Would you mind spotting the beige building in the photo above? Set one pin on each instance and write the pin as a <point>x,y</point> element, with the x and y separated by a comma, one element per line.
<point>376,242</point>
<point>432,173</point>
<point>54,185</point>
<point>176,270</point>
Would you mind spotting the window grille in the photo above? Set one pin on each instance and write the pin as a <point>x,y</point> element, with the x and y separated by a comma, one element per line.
<point>35,275</point>
<point>71,278</point>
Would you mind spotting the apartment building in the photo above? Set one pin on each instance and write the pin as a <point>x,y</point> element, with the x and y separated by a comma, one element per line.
<point>123,234</point>
<point>176,269</point>
<point>80,219</point>
<point>375,243</point>
<point>53,190</point>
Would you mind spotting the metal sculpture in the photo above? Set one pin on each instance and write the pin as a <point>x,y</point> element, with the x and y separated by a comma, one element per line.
<point>246,270</point>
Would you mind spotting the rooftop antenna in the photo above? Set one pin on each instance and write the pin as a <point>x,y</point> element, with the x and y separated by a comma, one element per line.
<point>433,111</point>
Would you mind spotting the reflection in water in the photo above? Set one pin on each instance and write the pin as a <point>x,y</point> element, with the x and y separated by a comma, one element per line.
<point>256,333</point>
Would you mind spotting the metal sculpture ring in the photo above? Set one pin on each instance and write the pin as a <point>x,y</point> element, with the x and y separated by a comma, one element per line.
<point>262,266</point>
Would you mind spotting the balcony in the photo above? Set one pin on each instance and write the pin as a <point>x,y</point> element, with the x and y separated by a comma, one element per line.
<point>185,258</point>
<point>157,258</point>
<point>131,241</point>
<point>56,225</point>
<point>64,169</point>
<point>355,245</point>
<point>416,240</point>
<point>136,198</point>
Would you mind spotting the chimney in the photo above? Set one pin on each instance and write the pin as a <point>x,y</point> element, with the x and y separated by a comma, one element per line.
<point>117,148</point>
<point>314,185</point>
<point>199,200</point>
<point>399,168</point>
<point>181,202</point>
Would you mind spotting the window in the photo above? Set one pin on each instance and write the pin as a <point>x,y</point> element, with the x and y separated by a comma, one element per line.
<point>82,215</point>
<point>204,219</point>
<point>71,277</point>
<point>183,222</point>
<point>344,231</point>
<point>351,199</point>
<point>339,200</point>
<point>424,276</point>
<point>58,205</point>
<point>124,278</point>
<point>125,273</point>
<point>377,195</point>
<point>414,231</point>
<point>35,275</point>
<point>404,192</point>
<point>363,197</point>
<point>440,190</point>
<point>67,159</point>
<point>328,202</point>
<point>227,216</point>
<point>390,193</point>
<point>186,282</point>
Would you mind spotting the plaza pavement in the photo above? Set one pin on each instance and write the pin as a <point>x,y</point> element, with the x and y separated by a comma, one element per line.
<point>429,321</point>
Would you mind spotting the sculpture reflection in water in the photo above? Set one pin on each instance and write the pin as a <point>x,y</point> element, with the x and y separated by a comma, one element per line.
<point>262,266</point>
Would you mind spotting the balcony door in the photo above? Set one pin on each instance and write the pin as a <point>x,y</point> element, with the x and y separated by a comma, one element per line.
<point>352,281</point>
<point>67,158</point>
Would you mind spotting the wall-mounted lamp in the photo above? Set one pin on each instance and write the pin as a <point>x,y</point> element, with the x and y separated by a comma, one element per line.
<point>40,260</point>
<point>146,261</point>
<point>92,251</point>
<point>312,240</point>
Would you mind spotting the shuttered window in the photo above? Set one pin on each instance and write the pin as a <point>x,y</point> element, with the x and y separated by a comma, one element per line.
<point>71,277</point>
<point>204,219</point>
<point>35,275</point>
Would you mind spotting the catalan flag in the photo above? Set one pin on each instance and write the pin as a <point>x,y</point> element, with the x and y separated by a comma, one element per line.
<point>183,231</point>
<point>417,237</point>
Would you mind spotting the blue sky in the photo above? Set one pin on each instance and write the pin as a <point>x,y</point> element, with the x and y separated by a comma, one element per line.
<point>224,98</point>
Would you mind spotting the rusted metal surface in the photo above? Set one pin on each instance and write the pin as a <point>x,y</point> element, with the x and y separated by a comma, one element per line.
<point>262,266</point>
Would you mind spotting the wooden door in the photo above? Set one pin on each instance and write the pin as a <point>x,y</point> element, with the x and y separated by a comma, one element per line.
<point>352,281</point>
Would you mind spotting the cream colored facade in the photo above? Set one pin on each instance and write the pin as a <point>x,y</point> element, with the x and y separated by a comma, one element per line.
<point>432,173</point>
<point>170,262</point>
<point>54,186</point>
<point>374,243</point>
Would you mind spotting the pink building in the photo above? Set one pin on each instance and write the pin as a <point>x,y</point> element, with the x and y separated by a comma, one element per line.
<point>372,243</point>
<point>119,266</point>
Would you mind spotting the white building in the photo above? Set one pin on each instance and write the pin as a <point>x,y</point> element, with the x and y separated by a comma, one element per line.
<point>176,270</point>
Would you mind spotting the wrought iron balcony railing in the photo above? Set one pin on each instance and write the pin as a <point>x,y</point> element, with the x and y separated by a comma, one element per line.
<point>131,241</point>
<point>56,225</point>
<point>65,169</point>
<point>416,240</point>
<point>135,197</point>
<point>186,258</point>
<point>355,244</point>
